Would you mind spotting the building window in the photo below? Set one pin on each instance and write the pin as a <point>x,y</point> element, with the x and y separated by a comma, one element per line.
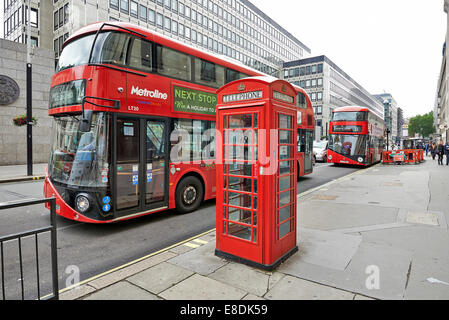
<point>314,69</point>
<point>113,4</point>
<point>174,5</point>
<point>313,83</point>
<point>167,24</point>
<point>55,20</point>
<point>142,13</point>
<point>319,96</point>
<point>151,16</point>
<point>34,41</point>
<point>124,6</point>
<point>291,72</point>
<point>66,13</point>
<point>320,82</point>
<point>320,68</point>
<point>174,27</point>
<point>181,30</point>
<point>133,9</point>
<point>307,70</point>
<point>159,20</point>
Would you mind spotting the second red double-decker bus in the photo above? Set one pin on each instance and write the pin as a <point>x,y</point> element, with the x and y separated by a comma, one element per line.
<point>134,123</point>
<point>356,136</point>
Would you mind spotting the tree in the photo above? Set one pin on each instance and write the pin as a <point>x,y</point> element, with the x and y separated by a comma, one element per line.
<point>421,124</point>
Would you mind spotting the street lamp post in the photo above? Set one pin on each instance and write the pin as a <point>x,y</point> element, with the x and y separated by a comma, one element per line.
<point>29,97</point>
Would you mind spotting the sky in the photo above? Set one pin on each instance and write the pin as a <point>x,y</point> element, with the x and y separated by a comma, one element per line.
<point>392,46</point>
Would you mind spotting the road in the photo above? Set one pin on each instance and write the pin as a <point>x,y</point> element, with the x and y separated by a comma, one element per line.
<point>93,249</point>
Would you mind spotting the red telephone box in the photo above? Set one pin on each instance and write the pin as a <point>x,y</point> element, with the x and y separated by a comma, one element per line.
<point>256,171</point>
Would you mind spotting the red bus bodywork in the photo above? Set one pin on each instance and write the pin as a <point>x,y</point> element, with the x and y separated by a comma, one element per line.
<point>367,133</point>
<point>116,83</point>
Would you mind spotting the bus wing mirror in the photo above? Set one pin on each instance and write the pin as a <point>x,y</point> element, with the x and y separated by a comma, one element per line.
<point>86,121</point>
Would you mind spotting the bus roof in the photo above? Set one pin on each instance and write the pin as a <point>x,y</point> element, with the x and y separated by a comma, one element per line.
<point>351,108</point>
<point>167,41</point>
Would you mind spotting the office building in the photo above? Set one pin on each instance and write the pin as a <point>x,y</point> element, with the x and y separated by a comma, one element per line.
<point>233,28</point>
<point>328,87</point>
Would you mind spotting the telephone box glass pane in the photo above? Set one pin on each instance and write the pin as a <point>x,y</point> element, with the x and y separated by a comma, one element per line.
<point>284,229</point>
<point>284,167</point>
<point>239,231</point>
<point>241,121</point>
<point>240,215</point>
<point>240,199</point>
<point>284,213</point>
<point>240,184</point>
<point>284,183</point>
<point>285,136</point>
<point>285,121</point>
<point>284,152</point>
<point>239,169</point>
<point>240,136</point>
<point>284,198</point>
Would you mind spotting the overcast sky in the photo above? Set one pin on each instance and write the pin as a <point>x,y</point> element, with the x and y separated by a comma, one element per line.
<point>385,45</point>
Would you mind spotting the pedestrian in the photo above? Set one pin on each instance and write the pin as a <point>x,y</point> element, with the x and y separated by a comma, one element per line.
<point>440,152</point>
<point>446,152</point>
<point>433,150</point>
<point>427,148</point>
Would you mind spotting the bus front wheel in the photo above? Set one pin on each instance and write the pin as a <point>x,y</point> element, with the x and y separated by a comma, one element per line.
<point>189,194</point>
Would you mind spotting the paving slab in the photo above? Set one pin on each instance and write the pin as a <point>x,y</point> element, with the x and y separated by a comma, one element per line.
<point>392,264</point>
<point>328,215</point>
<point>243,277</point>
<point>198,287</point>
<point>202,260</point>
<point>291,288</point>
<point>160,277</point>
<point>429,278</point>
<point>122,291</point>
<point>431,241</point>
<point>328,249</point>
<point>134,268</point>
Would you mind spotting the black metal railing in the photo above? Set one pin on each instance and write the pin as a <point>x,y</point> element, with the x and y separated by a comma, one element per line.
<point>35,232</point>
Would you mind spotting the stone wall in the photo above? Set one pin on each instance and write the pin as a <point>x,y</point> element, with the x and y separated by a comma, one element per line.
<point>13,148</point>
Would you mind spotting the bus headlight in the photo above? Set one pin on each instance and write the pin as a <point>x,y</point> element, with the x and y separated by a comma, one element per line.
<point>82,202</point>
<point>360,159</point>
<point>329,157</point>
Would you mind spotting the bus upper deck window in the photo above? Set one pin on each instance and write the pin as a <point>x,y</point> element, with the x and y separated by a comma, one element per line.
<point>111,47</point>
<point>141,55</point>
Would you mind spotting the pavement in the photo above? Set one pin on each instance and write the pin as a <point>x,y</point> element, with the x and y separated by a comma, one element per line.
<point>377,233</point>
<point>16,173</point>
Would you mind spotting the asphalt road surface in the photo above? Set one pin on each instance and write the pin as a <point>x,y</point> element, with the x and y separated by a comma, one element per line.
<point>90,249</point>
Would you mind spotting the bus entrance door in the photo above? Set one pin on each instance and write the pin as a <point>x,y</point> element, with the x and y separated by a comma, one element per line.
<point>308,154</point>
<point>156,160</point>
<point>140,165</point>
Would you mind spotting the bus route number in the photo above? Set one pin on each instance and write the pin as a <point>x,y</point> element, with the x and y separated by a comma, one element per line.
<point>133,108</point>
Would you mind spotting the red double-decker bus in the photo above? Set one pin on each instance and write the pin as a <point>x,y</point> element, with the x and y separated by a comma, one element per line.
<point>356,136</point>
<point>134,123</point>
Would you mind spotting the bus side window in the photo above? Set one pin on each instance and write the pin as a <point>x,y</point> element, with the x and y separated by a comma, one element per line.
<point>302,101</point>
<point>141,55</point>
<point>173,63</point>
<point>208,73</point>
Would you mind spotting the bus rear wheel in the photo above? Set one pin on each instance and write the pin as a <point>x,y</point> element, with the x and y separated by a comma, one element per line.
<point>189,194</point>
